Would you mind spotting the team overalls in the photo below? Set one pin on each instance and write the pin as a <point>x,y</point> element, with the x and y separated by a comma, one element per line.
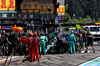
<point>53,37</point>
<point>29,42</point>
<point>35,47</point>
<point>43,40</point>
<point>72,39</point>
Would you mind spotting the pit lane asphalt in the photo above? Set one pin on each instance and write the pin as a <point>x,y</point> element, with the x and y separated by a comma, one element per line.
<point>58,59</point>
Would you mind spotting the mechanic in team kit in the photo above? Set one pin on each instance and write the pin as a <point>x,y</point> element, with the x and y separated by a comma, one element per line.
<point>43,40</point>
<point>29,41</point>
<point>72,40</point>
<point>35,47</point>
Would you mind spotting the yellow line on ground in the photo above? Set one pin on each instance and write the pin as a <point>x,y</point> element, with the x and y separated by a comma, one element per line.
<point>40,61</point>
<point>18,62</point>
<point>3,62</point>
<point>43,60</point>
<point>22,62</point>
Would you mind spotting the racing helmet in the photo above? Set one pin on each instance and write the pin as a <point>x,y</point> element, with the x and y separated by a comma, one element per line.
<point>72,32</point>
<point>35,34</point>
<point>30,34</point>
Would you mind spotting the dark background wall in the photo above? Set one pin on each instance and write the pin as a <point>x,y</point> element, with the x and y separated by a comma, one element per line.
<point>18,3</point>
<point>41,1</point>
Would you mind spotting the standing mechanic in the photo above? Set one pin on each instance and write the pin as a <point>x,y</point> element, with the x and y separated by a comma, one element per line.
<point>29,41</point>
<point>15,39</point>
<point>72,40</point>
<point>35,47</point>
<point>43,40</point>
<point>8,43</point>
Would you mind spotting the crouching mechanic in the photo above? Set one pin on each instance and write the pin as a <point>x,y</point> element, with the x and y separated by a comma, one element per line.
<point>53,37</point>
<point>29,41</point>
<point>43,40</point>
<point>72,40</point>
<point>35,47</point>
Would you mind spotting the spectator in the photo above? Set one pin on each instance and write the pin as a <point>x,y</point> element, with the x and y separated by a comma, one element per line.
<point>0,43</point>
<point>80,39</point>
<point>90,42</point>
